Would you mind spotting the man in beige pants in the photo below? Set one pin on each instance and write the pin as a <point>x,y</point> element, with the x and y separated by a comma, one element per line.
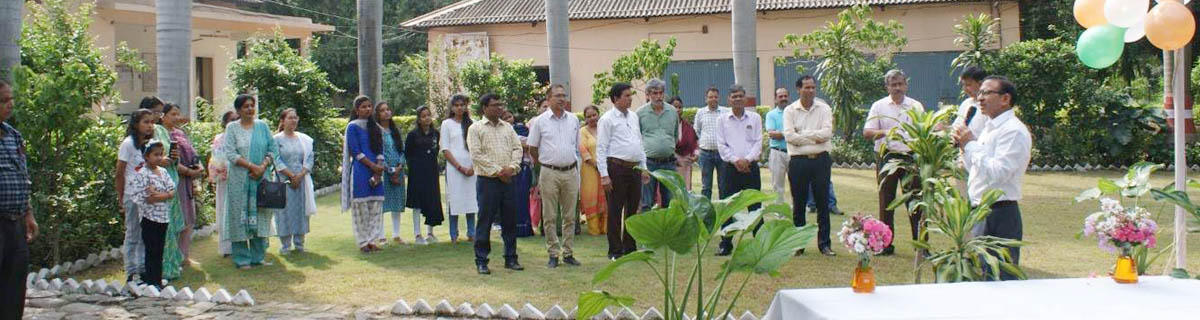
<point>553,141</point>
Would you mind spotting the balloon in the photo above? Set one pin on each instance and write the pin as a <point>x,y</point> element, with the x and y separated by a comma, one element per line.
<point>1169,25</point>
<point>1184,1</point>
<point>1124,13</point>
<point>1090,13</point>
<point>1136,31</point>
<point>1100,46</point>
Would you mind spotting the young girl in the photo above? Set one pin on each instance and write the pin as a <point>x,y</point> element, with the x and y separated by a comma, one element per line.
<point>393,155</point>
<point>153,190</point>
<point>129,160</point>
<point>460,171</point>
<point>362,185</point>
<point>424,194</point>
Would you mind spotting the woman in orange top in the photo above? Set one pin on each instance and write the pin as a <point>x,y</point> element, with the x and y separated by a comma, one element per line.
<point>591,195</point>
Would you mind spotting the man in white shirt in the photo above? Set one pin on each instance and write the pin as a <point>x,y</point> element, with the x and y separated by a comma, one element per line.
<point>885,114</point>
<point>968,115</point>
<point>740,141</point>
<point>705,123</point>
<point>620,154</point>
<point>808,129</point>
<point>553,142</point>
<point>997,159</point>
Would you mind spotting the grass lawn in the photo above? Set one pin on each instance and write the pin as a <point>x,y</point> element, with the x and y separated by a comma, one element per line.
<point>333,271</point>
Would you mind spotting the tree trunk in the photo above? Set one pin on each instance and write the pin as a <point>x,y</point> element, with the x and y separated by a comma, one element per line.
<point>558,42</point>
<point>745,50</point>
<point>10,37</point>
<point>173,37</point>
<point>370,47</point>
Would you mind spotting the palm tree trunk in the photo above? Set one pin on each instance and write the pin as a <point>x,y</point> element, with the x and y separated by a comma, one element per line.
<point>557,39</point>
<point>745,43</point>
<point>370,47</point>
<point>173,37</point>
<point>10,37</point>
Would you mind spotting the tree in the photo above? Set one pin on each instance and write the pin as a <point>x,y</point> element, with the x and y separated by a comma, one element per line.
<point>442,74</point>
<point>853,51</point>
<point>282,78</point>
<point>10,36</point>
<point>61,81</point>
<point>513,80</point>
<point>173,36</point>
<point>370,47</point>
<point>406,89</point>
<point>745,45</point>
<point>558,43</point>
<point>976,34</point>
<point>648,60</point>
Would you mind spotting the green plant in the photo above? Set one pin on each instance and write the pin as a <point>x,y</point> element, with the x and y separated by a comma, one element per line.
<point>975,35</point>
<point>965,257</point>
<point>934,157</point>
<point>648,60</point>
<point>406,84</point>
<point>853,51</point>
<point>687,227</point>
<point>513,80</point>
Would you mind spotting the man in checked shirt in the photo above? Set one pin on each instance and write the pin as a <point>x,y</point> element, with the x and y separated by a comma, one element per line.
<point>17,224</point>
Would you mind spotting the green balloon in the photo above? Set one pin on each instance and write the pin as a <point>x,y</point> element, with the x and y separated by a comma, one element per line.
<point>1100,46</point>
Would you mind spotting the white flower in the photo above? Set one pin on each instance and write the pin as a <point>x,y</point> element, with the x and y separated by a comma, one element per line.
<point>1110,205</point>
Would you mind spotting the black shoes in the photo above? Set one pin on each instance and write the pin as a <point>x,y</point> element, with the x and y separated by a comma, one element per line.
<point>828,252</point>
<point>800,252</point>
<point>483,269</point>
<point>514,266</point>
<point>570,260</point>
<point>553,263</point>
<point>724,251</point>
<point>890,250</point>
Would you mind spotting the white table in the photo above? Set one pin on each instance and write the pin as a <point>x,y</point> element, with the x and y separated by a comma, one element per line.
<point>1081,298</point>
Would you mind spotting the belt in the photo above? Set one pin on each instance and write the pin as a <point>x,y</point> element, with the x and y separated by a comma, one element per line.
<point>13,216</point>
<point>661,160</point>
<point>565,168</point>
<point>779,149</point>
<point>1004,203</point>
<point>707,150</point>
<point>811,156</point>
<point>622,163</point>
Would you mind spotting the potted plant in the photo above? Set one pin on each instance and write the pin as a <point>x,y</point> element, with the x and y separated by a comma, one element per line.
<point>864,236</point>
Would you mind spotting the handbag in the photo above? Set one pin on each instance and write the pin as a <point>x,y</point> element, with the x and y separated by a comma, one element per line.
<point>272,194</point>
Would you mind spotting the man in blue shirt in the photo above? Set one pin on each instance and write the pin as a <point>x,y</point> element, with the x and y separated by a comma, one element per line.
<point>777,162</point>
<point>17,225</point>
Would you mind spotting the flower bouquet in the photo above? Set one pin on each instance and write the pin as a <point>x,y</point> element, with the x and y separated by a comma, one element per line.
<point>864,236</point>
<point>1118,228</point>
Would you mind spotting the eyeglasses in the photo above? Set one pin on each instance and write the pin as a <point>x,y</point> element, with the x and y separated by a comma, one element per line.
<point>987,92</point>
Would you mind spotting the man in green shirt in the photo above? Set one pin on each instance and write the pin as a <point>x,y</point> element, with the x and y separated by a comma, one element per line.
<point>660,131</point>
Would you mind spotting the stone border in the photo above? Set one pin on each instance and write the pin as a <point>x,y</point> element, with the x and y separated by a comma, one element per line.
<point>528,312</point>
<point>241,298</point>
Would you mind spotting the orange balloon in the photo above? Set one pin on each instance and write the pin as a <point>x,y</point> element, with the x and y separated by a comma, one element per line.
<point>1090,13</point>
<point>1170,25</point>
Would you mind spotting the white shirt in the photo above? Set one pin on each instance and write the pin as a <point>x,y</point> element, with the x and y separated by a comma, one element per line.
<point>741,138</point>
<point>556,137</point>
<point>705,123</point>
<point>802,128</point>
<point>158,180</point>
<point>886,114</point>
<point>998,158</point>
<point>619,135</point>
<point>133,160</point>
<point>977,121</point>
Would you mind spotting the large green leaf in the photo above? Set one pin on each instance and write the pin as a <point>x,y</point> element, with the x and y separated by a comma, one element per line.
<point>741,221</point>
<point>593,302</point>
<point>673,181</point>
<point>664,227</point>
<point>725,208</point>
<point>774,244</point>
<point>1170,195</point>
<point>607,271</point>
<point>778,211</point>
<point>1089,194</point>
<point>1107,186</point>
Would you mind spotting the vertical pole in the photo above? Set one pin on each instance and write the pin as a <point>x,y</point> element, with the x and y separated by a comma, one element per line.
<point>745,50</point>
<point>558,42</point>
<point>1180,96</point>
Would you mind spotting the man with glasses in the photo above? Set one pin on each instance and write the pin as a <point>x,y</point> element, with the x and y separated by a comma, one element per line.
<point>887,113</point>
<point>496,153</point>
<point>553,142</point>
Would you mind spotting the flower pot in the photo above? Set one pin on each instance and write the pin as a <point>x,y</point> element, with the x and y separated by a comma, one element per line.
<point>864,280</point>
<point>1126,271</point>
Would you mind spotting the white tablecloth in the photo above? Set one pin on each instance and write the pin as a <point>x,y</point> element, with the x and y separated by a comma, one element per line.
<point>1082,298</point>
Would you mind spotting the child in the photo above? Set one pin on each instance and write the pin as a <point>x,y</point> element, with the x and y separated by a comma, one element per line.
<point>153,189</point>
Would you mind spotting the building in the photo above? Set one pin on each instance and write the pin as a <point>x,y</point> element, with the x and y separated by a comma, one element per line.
<point>218,29</point>
<point>601,30</point>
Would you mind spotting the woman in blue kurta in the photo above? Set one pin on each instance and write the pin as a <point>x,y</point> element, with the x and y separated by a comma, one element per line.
<point>424,192</point>
<point>522,182</point>
<point>250,151</point>
<point>362,184</point>
<point>393,179</point>
<point>295,151</point>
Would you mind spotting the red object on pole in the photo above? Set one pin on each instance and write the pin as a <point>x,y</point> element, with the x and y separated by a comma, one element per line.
<point>1189,122</point>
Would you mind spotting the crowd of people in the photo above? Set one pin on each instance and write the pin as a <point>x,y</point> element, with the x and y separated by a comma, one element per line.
<point>497,168</point>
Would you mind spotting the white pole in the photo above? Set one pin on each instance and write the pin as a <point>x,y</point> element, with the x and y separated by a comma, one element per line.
<point>558,43</point>
<point>1180,101</point>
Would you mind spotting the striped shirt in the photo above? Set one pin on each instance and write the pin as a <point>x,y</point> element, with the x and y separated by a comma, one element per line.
<point>14,172</point>
<point>705,123</point>
<point>160,181</point>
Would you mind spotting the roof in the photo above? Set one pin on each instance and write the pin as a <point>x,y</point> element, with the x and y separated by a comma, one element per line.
<point>476,12</point>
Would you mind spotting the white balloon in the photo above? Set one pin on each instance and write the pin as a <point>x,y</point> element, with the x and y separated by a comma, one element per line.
<point>1184,1</point>
<point>1124,13</point>
<point>1136,31</point>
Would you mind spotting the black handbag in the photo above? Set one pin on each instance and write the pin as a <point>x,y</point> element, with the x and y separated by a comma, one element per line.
<point>272,194</point>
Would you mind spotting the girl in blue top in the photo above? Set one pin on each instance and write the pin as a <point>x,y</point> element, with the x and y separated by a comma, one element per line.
<point>362,181</point>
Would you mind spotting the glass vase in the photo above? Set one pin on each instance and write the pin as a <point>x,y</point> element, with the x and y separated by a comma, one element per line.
<point>864,279</point>
<point>1126,270</point>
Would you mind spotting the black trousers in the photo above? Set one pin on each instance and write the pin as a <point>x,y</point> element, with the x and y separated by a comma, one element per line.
<point>887,193</point>
<point>733,182</point>
<point>805,173</point>
<point>14,265</point>
<point>154,235</point>
<point>495,203</point>
<point>623,202</point>
<point>1005,222</point>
